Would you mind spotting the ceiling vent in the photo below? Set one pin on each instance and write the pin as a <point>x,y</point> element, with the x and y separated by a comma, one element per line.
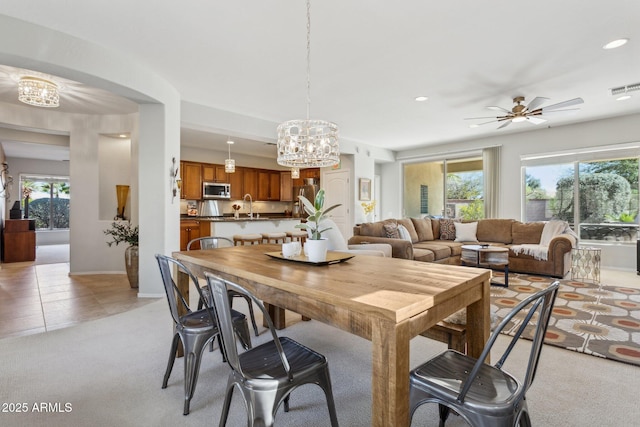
<point>625,89</point>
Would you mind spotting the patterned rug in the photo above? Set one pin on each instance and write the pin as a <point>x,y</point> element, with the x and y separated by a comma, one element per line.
<point>600,321</point>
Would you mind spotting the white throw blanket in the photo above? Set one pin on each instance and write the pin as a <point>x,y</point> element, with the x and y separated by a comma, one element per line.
<point>540,251</point>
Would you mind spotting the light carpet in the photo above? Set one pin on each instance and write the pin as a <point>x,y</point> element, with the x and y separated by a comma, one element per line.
<point>108,372</point>
<point>602,321</point>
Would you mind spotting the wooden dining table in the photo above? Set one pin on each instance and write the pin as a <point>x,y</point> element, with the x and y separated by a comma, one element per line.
<point>385,300</point>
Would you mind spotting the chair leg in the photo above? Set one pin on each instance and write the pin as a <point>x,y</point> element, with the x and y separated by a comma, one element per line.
<point>444,414</point>
<point>172,359</point>
<point>325,383</point>
<point>227,404</point>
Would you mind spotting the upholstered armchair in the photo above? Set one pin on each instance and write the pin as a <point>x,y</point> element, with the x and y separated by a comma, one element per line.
<point>337,242</point>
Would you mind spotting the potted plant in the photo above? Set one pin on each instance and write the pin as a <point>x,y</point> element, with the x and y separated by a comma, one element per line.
<point>120,232</point>
<point>316,245</point>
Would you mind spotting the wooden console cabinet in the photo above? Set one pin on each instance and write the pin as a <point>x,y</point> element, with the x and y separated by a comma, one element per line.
<point>19,240</point>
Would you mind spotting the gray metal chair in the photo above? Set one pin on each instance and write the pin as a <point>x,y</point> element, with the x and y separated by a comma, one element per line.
<point>194,329</point>
<point>485,395</point>
<point>266,375</point>
<point>212,242</point>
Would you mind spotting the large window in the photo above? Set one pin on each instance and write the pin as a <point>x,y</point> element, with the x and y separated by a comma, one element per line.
<point>597,193</point>
<point>444,188</point>
<point>48,201</point>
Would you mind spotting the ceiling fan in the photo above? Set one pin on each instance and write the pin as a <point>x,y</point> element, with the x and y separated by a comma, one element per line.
<point>530,113</point>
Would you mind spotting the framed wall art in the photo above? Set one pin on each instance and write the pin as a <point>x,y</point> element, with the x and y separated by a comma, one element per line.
<point>365,189</point>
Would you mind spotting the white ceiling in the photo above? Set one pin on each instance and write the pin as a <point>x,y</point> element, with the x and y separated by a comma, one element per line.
<point>369,59</point>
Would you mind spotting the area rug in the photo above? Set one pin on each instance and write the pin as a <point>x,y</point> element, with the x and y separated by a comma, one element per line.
<point>602,321</point>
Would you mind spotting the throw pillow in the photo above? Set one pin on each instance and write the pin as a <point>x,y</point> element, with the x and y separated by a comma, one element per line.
<point>448,229</point>
<point>423,228</point>
<point>404,233</point>
<point>391,229</point>
<point>466,231</point>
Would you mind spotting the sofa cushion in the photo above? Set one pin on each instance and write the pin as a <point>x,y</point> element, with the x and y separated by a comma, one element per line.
<point>423,228</point>
<point>495,230</point>
<point>424,255</point>
<point>526,233</point>
<point>448,229</point>
<point>408,224</point>
<point>440,250</point>
<point>466,231</point>
<point>391,230</point>
<point>404,233</point>
<point>373,229</point>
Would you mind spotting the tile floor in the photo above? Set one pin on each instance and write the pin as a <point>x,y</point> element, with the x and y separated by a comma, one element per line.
<point>37,297</point>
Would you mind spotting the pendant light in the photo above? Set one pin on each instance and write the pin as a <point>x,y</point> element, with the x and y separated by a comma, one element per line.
<point>229,164</point>
<point>308,143</point>
<point>295,173</point>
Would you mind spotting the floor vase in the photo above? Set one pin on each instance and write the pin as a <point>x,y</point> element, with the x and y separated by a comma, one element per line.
<point>131,263</point>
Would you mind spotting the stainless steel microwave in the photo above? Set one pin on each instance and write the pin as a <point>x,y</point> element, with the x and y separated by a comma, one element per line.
<point>216,190</point>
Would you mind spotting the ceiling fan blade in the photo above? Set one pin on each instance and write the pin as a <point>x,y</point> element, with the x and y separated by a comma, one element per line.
<point>564,104</point>
<point>505,124</point>
<point>535,120</point>
<point>476,118</point>
<point>494,108</point>
<point>559,112</point>
<point>537,102</point>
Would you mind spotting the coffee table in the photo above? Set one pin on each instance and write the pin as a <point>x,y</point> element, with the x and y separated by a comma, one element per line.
<point>487,256</point>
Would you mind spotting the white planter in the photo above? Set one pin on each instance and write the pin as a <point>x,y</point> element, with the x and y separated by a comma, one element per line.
<point>316,250</point>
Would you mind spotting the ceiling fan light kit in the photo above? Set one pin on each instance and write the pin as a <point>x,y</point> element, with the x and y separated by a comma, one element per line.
<point>531,112</point>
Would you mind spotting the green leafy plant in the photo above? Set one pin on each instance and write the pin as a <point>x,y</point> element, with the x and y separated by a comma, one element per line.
<point>316,215</point>
<point>122,232</point>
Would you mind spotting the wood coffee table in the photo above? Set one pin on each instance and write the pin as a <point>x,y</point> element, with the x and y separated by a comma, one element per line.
<point>487,256</point>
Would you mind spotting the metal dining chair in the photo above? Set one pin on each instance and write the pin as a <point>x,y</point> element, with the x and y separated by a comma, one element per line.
<point>266,375</point>
<point>194,329</point>
<point>212,242</point>
<point>485,395</point>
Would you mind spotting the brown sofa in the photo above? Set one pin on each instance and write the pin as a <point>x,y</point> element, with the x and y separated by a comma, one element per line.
<point>432,241</point>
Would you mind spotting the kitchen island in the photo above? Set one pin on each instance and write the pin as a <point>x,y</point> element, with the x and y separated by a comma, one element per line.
<point>228,226</point>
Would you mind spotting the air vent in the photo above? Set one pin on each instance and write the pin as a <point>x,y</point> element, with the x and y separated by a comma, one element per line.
<point>625,89</point>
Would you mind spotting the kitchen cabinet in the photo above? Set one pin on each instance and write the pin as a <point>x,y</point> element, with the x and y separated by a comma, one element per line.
<point>250,182</point>
<point>192,229</point>
<point>286,187</point>
<point>236,180</point>
<point>268,185</point>
<point>214,173</point>
<point>191,180</point>
<point>305,174</point>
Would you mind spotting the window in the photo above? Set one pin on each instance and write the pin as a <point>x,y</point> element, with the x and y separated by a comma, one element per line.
<point>48,200</point>
<point>596,192</point>
<point>444,188</point>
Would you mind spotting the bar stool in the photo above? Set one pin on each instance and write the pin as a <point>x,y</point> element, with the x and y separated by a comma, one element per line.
<point>297,236</point>
<point>243,239</point>
<point>274,237</point>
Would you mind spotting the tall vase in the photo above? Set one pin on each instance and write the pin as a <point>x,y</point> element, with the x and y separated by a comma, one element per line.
<point>131,263</point>
<point>316,250</point>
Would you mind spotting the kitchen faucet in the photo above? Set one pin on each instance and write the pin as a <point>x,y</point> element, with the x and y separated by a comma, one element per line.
<point>250,204</point>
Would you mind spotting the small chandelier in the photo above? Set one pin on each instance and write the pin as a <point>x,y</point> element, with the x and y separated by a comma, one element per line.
<point>229,164</point>
<point>38,92</point>
<point>295,173</point>
<point>308,143</point>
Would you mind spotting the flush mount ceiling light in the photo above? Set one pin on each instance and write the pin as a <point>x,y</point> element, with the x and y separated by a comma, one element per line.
<point>421,98</point>
<point>308,143</point>
<point>615,43</point>
<point>229,164</point>
<point>38,92</point>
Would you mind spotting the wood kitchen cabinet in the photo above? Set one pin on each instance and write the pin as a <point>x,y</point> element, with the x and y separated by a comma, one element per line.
<point>192,229</point>
<point>307,173</point>
<point>214,173</point>
<point>250,182</point>
<point>236,180</point>
<point>268,185</point>
<point>286,187</point>
<point>191,176</point>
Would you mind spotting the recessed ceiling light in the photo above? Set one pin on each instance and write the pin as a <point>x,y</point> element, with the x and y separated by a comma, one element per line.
<point>615,43</point>
<point>623,98</point>
<point>421,98</point>
<point>474,126</point>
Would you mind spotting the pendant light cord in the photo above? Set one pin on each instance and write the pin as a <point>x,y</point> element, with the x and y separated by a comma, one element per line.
<point>308,58</point>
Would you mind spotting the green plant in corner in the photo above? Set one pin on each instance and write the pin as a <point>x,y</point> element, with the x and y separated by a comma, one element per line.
<point>316,215</point>
<point>122,232</point>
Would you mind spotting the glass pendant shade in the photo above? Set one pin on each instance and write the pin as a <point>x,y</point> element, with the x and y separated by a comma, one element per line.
<point>308,143</point>
<point>295,173</point>
<point>38,92</point>
<point>229,166</point>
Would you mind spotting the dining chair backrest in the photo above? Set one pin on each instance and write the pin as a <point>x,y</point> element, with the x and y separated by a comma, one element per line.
<point>174,296</point>
<point>540,304</point>
<point>222,308</point>
<point>210,242</point>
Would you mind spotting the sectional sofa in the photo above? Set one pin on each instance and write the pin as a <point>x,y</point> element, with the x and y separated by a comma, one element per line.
<point>440,241</point>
